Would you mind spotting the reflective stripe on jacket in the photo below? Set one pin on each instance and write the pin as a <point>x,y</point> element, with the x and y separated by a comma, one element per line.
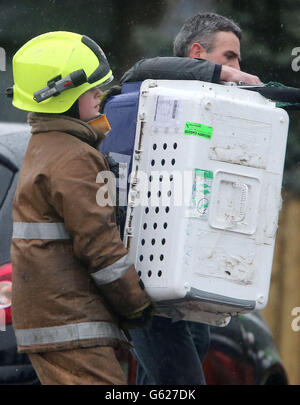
<point>50,230</point>
<point>71,278</point>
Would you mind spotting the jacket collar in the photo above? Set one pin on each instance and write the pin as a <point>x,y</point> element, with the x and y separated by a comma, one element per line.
<point>62,123</point>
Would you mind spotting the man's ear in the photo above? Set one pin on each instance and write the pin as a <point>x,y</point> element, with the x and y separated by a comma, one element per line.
<point>197,51</point>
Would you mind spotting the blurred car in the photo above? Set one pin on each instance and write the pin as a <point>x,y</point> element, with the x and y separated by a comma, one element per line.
<point>15,368</point>
<point>241,353</point>
<point>244,353</point>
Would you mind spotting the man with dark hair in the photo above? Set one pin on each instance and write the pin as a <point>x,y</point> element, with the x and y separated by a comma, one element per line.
<point>203,29</point>
<point>207,48</point>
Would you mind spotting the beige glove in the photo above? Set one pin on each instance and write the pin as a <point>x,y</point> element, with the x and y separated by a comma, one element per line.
<point>138,318</point>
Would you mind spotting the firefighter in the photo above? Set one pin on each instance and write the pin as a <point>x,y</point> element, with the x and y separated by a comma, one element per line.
<point>73,286</point>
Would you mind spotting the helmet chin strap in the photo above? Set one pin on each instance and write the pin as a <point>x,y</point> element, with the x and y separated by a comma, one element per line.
<point>101,124</point>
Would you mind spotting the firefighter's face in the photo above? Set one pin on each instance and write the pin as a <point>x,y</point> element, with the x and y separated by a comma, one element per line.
<point>89,103</point>
<point>225,52</point>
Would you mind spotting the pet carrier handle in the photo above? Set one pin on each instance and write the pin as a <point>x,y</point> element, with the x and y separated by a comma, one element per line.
<point>243,201</point>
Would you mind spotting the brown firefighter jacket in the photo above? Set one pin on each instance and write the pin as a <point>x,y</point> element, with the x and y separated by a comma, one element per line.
<point>71,277</point>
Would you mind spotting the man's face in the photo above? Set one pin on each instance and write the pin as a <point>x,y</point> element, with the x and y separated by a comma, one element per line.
<point>226,50</point>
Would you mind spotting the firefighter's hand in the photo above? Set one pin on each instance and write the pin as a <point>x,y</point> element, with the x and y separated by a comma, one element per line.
<point>229,74</point>
<point>138,318</point>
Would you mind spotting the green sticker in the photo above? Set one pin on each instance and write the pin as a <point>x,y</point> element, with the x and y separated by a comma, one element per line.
<point>192,128</point>
<point>201,193</point>
<point>204,173</point>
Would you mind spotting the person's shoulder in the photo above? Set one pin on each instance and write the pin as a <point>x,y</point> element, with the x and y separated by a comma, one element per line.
<point>68,150</point>
<point>170,68</point>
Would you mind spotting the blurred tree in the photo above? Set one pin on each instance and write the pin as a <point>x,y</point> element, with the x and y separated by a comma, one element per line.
<point>129,30</point>
<point>128,15</point>
<point>271,30</point>
<point>109,22</point>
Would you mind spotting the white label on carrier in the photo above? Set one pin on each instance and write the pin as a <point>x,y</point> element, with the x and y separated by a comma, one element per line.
<point>167,111</point>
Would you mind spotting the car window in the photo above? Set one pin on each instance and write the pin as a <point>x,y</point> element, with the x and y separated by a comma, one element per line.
<point>6,177</point>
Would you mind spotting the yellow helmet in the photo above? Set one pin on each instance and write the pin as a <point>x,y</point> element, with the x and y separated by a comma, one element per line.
<point>52,70</point>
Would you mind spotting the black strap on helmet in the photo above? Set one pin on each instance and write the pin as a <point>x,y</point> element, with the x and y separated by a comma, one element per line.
<point>103,68</point>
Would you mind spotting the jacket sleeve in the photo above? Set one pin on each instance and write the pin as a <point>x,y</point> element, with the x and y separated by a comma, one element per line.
<point>173,68</point>
<point>78,194</point>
